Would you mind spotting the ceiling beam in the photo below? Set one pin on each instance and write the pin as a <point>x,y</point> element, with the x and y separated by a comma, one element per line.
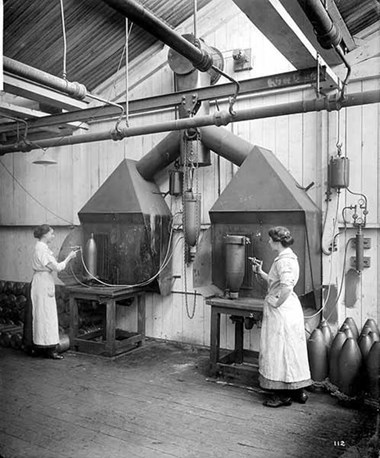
<point>217,92</point>
<point>288,29</point>
<point>18,111</point>
<point>23,88</point>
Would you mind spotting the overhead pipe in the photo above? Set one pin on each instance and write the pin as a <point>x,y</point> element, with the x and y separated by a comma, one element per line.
<point>218,119</point>
<point>153,25</point>
<point>73,89</point>
<point>328,34</point>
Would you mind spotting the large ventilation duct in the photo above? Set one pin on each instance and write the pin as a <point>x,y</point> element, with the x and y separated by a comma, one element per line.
<point>163,154</point>
<point>153,25</point>
<point>225,143</point>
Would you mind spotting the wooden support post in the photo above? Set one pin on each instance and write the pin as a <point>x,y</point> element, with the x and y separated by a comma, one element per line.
<point>214,340</point>
<point>141,317</point>
<point>239,336</point>
<point>110,326</point>
<point>73,332</point>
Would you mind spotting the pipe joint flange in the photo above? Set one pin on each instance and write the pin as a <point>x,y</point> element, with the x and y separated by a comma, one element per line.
<point>330,39</point>
<point>222,118</point>
<point>117,135</point>
<point>205,62</point>
<point>23,146</point>
<point>77,90</point>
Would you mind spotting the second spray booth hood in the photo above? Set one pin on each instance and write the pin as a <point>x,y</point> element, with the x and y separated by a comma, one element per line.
<point>262,194</point>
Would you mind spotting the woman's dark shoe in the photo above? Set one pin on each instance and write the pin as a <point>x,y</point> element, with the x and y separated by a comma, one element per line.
<point>55,355</point>
<point>276,401</point>
<point>300,396</point>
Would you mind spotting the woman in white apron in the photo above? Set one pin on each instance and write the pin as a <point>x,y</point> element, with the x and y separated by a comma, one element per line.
<point>283,361</point>
<point>44,316</point>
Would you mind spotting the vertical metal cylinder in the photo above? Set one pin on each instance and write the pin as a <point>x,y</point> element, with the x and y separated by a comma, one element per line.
<point>235,263</point>
<point>192,218</point>
<point>359,251</point>
<point>175,182</point>
<point>339,172</point>
<point>90,258</point>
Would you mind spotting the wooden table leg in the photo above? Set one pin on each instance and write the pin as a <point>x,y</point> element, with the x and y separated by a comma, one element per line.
<point>110,343</point>
<point>239,339</point>
<point>141,317</point>
<point>214,340</point>
<point>73,319</point>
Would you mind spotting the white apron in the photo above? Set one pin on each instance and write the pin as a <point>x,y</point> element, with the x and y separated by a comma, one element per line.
<point>44,306</point>
<point>283,360</point>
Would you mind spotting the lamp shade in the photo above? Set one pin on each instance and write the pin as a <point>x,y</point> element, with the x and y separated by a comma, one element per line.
<point>45,159</point>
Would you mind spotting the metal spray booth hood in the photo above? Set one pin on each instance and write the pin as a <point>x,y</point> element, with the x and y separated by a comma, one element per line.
<point>263,194</point>
<point>131,222</point>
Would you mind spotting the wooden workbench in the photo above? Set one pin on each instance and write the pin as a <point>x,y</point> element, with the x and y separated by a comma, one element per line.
<point>109,341</point>
<point>238,309</point>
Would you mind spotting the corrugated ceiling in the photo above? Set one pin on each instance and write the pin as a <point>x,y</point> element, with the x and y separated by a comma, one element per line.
<point>359,14</point>
<point>95,35</point>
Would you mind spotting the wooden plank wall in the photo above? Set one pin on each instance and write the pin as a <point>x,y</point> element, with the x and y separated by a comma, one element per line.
<point>31,194</point>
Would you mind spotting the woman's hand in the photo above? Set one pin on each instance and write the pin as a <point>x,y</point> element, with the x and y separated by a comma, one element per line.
<point>272,300</point>
<point>257,265</point>
<point>71,255</point>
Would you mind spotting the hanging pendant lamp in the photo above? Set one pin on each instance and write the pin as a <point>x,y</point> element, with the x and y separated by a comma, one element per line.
<point>45,159</point>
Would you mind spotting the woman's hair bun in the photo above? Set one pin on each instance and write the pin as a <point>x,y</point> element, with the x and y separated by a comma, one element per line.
<point>281,234</point>
<point>39,231</point>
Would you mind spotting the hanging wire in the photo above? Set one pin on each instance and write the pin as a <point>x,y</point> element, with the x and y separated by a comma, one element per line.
<point>126,72</point>
<point>195,18</point>
<point>100,99</point>
<point>64,40</point>
<point>324,251</point>
<point>18,120</point>
<point>339,144</point>
<point>32,197</point>
<point>341,281</point>
<point>340,289</point>
<point>168,255</point>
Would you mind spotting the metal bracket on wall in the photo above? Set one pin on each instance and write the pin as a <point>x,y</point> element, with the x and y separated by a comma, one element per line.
<point>189,105</point>
<point>242,59</point>
<point>366,261</point>
<point>366,243</point>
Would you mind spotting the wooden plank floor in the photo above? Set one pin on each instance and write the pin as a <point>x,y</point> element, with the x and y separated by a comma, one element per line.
<point>154,402</point>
